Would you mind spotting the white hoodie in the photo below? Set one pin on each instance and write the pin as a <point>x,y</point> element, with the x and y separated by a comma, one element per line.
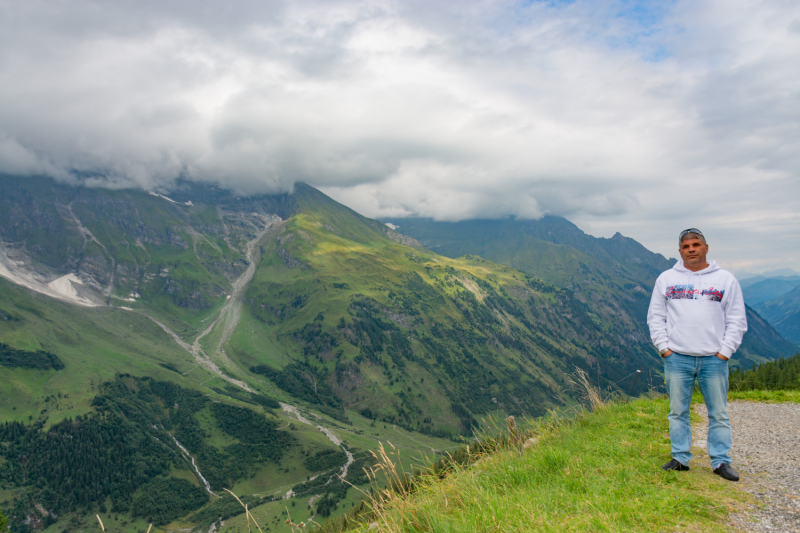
<point>697,313</point>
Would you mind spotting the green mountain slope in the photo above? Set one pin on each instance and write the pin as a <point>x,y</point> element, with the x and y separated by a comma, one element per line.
<point>611,277</point>
<point>134,321</point>
<point>412,337</point>
<point>176,257</point>
<point>113,375</point>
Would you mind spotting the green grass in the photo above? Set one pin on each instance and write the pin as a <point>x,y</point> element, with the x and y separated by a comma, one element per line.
<point>767,396</point>
<point>95,345</point>
<point>597,472</point>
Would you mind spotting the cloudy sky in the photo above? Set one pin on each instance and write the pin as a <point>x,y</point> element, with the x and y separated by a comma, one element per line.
<point>638,117</point>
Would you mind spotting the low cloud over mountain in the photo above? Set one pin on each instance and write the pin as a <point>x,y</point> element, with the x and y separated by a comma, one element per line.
<point>643,119</point>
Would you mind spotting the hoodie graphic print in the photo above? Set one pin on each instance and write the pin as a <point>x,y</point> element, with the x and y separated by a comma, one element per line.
<point>697,313</point>
<point>688,292</point>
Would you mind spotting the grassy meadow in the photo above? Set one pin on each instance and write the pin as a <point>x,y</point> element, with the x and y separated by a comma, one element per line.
<point>597,471</point>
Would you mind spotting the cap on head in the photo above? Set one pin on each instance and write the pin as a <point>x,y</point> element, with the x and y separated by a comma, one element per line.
<point>691,233</point>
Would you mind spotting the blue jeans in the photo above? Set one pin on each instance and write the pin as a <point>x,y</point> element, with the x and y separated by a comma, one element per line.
<point>711,373</point>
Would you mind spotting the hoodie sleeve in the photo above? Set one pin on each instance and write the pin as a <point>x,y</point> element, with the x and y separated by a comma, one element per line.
<point>735,320</point>
<point>657,316</point>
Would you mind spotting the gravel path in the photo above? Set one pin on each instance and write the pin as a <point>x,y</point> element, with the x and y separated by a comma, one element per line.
<point>766,453</point>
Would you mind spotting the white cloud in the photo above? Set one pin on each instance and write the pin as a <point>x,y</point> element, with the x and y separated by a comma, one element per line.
<point>640,119</point>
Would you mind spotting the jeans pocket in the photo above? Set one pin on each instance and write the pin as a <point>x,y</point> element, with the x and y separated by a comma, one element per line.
<point>717,366</point>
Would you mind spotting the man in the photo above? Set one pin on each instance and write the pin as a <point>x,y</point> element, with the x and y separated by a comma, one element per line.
<point>697,320</point>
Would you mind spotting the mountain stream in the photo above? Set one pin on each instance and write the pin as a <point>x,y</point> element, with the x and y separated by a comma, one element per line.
<point>189,456</point>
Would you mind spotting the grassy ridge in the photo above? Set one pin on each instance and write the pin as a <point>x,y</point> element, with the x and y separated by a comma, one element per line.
<point>598,472</point>
<point>507,241</point>
<point>381,306</point>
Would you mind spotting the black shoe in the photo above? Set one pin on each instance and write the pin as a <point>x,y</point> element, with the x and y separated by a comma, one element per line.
<point>674,464</point>
<point>726,471</point>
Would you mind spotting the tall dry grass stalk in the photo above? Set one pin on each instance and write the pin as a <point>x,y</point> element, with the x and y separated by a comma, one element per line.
<point>104,529</point>
<point>294,526</point>
<point>391,486</point>
<point>588,392</point>
<point>246,511</point>
<point>513,432</point>
<point>289,522</point>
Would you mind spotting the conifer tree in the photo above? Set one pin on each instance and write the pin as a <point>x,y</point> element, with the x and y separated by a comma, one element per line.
<point>781,374</point>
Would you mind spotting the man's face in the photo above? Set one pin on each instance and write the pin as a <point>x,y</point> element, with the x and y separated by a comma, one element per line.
<point>693,252</point>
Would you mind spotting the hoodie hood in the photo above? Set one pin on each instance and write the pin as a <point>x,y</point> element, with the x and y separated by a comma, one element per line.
<point>712,267</point>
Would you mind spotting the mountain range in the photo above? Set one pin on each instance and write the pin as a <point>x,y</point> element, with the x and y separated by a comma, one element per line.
<point>784,313</point>
<point>172,344</point>
<point>606,275</point>
<point>777,299</point>
<point>768,289</point>
<point>743,275</point>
